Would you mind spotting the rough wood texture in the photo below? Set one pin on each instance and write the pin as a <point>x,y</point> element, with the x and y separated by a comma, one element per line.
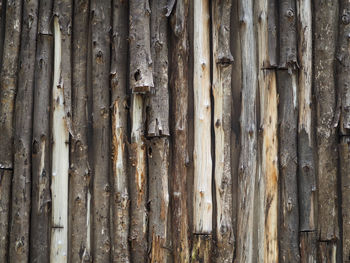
<point>41,198</point>
<point>21,181</point>
<point>100,19</point>
<point>327,252</point>
<point>141,79</point>
<point>2,27</point>
<point>344,153</point>
<point>138,183</point>
<point>343,66</point>
<point>306,144</point>
<point>221,87</point>
<point>308,247</point>
<point>121,200</point>
<point>8,80</point>
<point>325,33</point>
<point>179,86</point>
<point>248,156</point>
<point>267,199</point>
<point>79,192</point>
<point>158,104</point>
<point>202,206</point>
<point>5,199</point>
<point>158,199</point>
<point>202,247</point>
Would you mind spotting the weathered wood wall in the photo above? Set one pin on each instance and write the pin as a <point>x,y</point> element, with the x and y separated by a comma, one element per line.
<point>175,131</point>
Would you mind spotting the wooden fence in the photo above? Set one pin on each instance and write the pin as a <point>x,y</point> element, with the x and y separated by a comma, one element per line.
<point>175,131</point>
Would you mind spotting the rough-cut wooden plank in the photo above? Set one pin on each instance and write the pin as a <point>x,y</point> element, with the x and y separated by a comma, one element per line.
<point>41,198</point>
<point>141,79</point>
<point>21,181</point>
<point>222,68</point>
<point>8,80</point>
<point>268,142</point>
<point>120,201</point>
<point>202,247</point>
<point>2,27</point>
<point>138,182</point>
<point>306,144</point>
<point>179,87</point>
<point>79,191</point>
<point>100,19</point>
<point>158,170</point>
<point>158,104</point>
<point>344,154</point>
<point>327,252</point>
<point>325,34</point>
<point>248,156</point>
<point>308,247</point>
<point>343,66</point>
<point>5,199</point>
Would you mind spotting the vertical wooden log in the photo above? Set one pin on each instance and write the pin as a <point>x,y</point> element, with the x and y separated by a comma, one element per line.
<point>344,154</point>
<point>2,28</point>
<point>141,79</point>
<point>120,200</point>
<point>288,123</point>
<point>79,192</point>
<point>325,33</point>
<point>21,181</point>
<point>8,84</point>
<point>248,156</point>
<point>268,141</point>
<point>41,197</point>
<point>138,183</point>
<point>202,203</point>
<point>308,247</point>
<point>327,252</point>
<point>222,68</point>
<point>100,15</point>
<point>179,86</point>
<point>158,131</point>
<point>60,130</point>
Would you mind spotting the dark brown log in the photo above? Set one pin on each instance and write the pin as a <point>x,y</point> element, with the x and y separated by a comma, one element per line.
<point>79,192</point>
<point>344,155</point>
<point>308,247</point>
<point>202,247</point>
<point>100,19</point>
<point>5,199</point>
<point>41,199</point>
<point>21,181</point>
<point>141,79</point>
<point>158,105</point>
<point>2,27</point>
<point>179,87</point>
<point>343,66</point>
<point>121,201</point>
<point>325,33</point>
<point>248,156</point>
<point>158,169</point>
<point>221,87</point>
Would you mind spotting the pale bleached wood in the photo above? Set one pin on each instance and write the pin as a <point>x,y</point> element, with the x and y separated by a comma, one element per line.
<point>60,155</point>
<point>248,157</point>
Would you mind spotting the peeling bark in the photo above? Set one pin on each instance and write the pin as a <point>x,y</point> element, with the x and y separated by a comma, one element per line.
<point>121,200</point>
<point>325,32</point>
<point>248,130</point>
<point>179,86</point>
<point>222,68</point>
<point>141,79</point>
<point>80,227</point>
<point>100,19</point>
<point>201,251</point>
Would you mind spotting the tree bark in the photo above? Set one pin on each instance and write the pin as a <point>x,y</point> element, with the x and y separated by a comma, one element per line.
<point>288,123</point>
<point>202,247</point>
<point>60,130</point>
<point>138,183</point>
<point>121,199</point>
<point>141,79</point>
<point>21,181</point>
<point>268,140</point>
<point>179,86</point>
<point>202,160</point>
<point>79,192</point>
<point>222,68</point>
<point>41,196</point>
<point>100,19</point>
<point>325,32</point>
<point>248,156</point>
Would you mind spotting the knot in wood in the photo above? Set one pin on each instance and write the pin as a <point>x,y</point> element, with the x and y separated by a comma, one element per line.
<point>345,18</point>
<point>290,13</point>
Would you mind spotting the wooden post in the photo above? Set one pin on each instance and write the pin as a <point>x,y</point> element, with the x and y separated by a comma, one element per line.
<point>120,201</point>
